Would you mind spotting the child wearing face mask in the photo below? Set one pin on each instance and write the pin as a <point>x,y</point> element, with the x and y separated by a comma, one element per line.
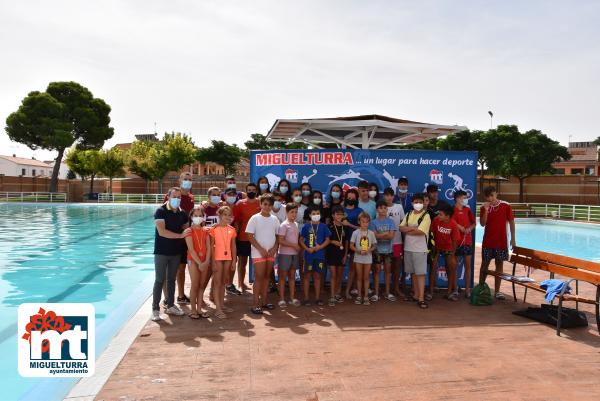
<point>263,185</point>
<point>212,206</point>
<point>285,189</point>
<point>415,226</point>
<point>199,260</point>
<point>464,217</point>
<point>314,238</point>
<point>317,202</point>
<point>373,192</point>
<point>222,240</point>
<point>297,200</point>
<point>279,207</point>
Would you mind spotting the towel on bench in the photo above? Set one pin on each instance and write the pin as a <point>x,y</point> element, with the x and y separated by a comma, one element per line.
<point>553,287</point>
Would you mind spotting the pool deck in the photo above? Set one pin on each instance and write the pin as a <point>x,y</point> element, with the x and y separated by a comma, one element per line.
<point>388,351</point>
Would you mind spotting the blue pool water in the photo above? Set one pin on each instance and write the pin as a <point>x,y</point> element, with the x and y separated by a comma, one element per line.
<point>578,240</point>
<point>101,254</point>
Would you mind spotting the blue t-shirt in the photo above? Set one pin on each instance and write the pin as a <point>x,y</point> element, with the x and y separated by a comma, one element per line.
<point>369,207</point>
<point>380,226</point>
<point>310,233</point>
<point>406,202</point>
<point>352,215</point>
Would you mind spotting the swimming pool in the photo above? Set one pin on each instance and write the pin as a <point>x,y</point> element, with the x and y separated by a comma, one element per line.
<point>578,240</point>
<point>101,254</point>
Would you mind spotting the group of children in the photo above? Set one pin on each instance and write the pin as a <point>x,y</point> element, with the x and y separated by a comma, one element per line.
<point>294,231</point>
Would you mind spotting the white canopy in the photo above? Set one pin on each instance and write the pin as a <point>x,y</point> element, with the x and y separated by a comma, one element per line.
<point>366,132</point>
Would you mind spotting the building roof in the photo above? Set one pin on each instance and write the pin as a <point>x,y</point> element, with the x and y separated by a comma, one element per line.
<point>25,162</point>
<point>372,131</point>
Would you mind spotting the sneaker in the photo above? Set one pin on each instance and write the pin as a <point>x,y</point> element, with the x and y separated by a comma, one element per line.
<point>390,297</point>
<point>295,302</point>
<point>231,290</point>
<point>306,303</point>
<point>468,294</point>
<point>282,304</point>
<point>156,316</point>
<point>358,301</point>
<point>366,301</point>
<point>374,298</point>
<point>500,296</point>
<point>183,300</point>
<point>332,301</point>
<point>174,310</point>
<point>339,299</point>
<point>371,292</point>
<point>320,302</point>
<point>354,292</point>
<point>235,290</point>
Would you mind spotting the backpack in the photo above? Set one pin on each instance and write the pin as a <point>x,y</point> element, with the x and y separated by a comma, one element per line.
<point>481,295</point>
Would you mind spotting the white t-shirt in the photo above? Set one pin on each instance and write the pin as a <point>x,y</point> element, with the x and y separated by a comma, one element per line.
<point>281,214</point>
<point>265,232</point>
<point>396,213</point>
<point>300,217</point>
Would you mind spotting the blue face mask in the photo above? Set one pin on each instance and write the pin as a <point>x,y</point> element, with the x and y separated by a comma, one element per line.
<point>277,205</point>
<point>305,193</point>
<point>335,195</point>
<point>230,199</point>
<point>174,202</point>
<point>215,199</point>
<point>264,187</point>
<point>186,184</point>
<point>283,190</point>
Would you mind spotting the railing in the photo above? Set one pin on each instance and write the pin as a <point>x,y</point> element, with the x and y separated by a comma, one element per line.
<point>137,198</point>
<point>589,213</point>
<point>33,197</point>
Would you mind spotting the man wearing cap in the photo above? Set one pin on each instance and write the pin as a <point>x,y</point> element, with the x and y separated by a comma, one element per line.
<point>403,197</point>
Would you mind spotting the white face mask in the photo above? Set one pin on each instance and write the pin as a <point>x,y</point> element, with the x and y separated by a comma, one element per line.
<point>197,220</point>
<point>263,187</point>
<point>315,217</point>
<point>283,189</point>
<point>276,205</point>
<point>297,199</point>
<point>465,202</point>
<point>231,186</point>
<point>402,191</point>
<point>418,206</point>
<point>372,194</point>
<point>317,201</point>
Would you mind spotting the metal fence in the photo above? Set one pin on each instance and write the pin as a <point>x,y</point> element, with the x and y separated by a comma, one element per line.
<point>137,198</point>
<point>587,213</point>
<point>33,197</point>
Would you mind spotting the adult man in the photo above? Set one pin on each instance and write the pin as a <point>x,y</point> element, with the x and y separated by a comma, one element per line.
<point>364,202</point>
<point>242,211</point>
<point>186,204</point>
<point>494,215</point>
<point>403,197</point>
<point>171,223</point>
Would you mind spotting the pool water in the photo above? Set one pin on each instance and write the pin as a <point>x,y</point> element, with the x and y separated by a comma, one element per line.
<point>101,254</point>
<point>578,240</point>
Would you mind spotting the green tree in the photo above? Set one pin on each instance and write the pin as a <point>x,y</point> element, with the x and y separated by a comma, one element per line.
<point>174,151</point>
<point>111,164</point>
<point>65,114</point>
<point>141,159</point>
<point>71,175</point>
<point>527,154</point>
<point>260,142</point>
<point>85,163</point>
<point>222,153</point>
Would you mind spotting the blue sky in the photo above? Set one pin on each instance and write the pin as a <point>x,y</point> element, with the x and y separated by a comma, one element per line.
<point>224,70</point>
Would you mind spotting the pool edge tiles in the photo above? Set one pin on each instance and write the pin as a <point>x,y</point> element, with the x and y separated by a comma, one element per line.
<point>59,389</point>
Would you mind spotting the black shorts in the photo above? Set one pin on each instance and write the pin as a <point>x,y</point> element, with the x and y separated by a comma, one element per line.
<point>464,250</point>
<point>379,258</point>
<point>499,255</point>
<point>243,247</point>
<point>334,256</point>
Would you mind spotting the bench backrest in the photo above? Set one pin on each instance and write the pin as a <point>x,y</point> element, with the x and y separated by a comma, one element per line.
<point>579,269</point>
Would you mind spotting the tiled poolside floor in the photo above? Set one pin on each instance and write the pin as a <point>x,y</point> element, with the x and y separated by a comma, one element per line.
<point>388,351</point>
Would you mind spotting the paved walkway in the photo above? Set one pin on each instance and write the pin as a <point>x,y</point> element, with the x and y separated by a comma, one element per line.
<point>387,351</point>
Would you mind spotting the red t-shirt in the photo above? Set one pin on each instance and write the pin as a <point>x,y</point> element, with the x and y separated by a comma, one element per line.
<point>444,233</point>
<point>242,211</point>
<point>465,218</point>
<point>187,202</point>
<point>495,235</point>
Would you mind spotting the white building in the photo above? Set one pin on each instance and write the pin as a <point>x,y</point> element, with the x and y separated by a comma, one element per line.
<point>20,166</point>
<point>62,172</point>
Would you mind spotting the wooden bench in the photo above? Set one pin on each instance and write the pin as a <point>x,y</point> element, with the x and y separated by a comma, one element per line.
<point>522,208</point>
<point>571,268</point>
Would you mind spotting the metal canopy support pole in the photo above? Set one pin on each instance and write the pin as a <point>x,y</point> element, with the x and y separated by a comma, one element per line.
<point>336,140</point>
<point>365,139</point>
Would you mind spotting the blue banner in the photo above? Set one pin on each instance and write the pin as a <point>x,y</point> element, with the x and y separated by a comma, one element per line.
<point>450,170</point>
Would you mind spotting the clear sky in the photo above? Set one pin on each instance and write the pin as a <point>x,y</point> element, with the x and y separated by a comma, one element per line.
<point>227,69</point>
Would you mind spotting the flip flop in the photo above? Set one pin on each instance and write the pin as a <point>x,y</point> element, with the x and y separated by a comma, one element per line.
<point>194,316</point>
<point>423,305</point>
